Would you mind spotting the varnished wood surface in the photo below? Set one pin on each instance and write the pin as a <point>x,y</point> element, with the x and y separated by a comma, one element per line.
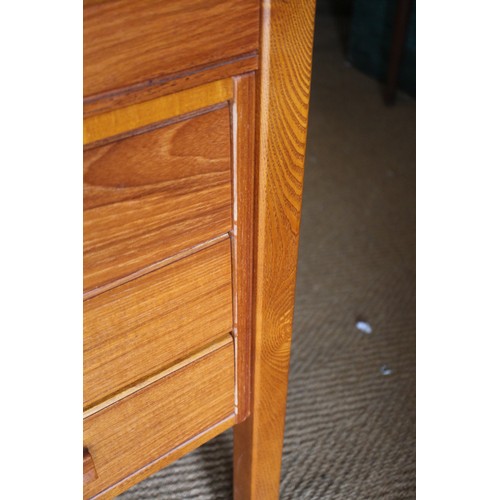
<point>283,94</point>
<point>146,69</point>
<point>169,457</point>
<point>185,361</point>
<point>136,116</point>
<point>153,195</point>
<point>155,266</point>
<point>89,472</point>
<point>127,42</point>
<point>160,87</point>
<point>148,424</point>
<point>135,330</point>
<point>243,130</point>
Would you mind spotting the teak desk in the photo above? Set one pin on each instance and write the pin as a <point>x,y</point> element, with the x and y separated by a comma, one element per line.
<point>195,119</point>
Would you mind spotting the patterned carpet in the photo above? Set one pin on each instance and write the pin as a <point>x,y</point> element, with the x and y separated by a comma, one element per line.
<point>350,428</point>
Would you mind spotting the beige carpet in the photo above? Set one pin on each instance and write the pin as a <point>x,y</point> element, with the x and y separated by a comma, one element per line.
<point>350,429</point>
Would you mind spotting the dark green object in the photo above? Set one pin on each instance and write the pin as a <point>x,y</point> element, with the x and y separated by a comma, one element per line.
<point>370,41</point>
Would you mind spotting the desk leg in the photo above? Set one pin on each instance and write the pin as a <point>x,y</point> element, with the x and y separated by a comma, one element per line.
<point>283,83</point>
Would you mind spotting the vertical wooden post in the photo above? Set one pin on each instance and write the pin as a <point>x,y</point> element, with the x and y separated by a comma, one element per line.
<point>282,107</point>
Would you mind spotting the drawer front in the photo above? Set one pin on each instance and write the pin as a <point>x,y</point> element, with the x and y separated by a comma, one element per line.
<point>152,195</point>
<point>144,426</point>
<point>140,328</point>
<point>127,42</point>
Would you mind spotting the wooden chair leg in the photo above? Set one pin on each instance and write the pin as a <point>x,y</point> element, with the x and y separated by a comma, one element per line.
<point>401,21</point>
<point>282,102</point>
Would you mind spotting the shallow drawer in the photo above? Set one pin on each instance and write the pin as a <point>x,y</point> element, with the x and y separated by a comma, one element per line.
<point>139,328</point>
<point>127,42</point>
<point>146,425</point>
<point>152,195</point>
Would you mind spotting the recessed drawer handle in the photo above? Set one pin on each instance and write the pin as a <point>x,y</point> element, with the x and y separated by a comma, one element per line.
<point>89,472</point>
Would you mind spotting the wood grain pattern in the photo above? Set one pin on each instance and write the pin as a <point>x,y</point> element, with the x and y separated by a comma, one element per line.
<point>155,266</point>
<point>283,97</point>
<point>133,117</point>
<point>153,89</point>
<point>243,130</point>
<point>155,194</point>
<point>126,43</point>
<point>166,459</point>
<point>141,428</point>
<point>139,328</point>
<point>89,472</point>
<point>157,376</point>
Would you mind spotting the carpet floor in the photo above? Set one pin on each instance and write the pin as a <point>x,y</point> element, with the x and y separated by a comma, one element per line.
<point>350,428</point>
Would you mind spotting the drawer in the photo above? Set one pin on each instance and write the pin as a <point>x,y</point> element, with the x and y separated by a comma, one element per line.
<point>151,195</point>
<point>128,42</point>
<point>149,423</point>
<point>140,328</point>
